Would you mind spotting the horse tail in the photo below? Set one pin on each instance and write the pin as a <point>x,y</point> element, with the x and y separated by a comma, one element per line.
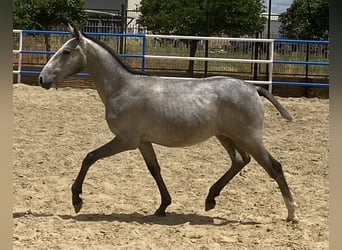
<point>265,93</point>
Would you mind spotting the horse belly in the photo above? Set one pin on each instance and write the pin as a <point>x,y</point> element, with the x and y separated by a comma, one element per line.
<point>178,134</point>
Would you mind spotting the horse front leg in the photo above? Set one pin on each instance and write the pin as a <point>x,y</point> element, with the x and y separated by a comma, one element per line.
<point>113,147</point>
<point>150,158</point>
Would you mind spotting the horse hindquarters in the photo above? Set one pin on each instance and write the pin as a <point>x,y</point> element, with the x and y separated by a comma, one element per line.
<point>244,126</point>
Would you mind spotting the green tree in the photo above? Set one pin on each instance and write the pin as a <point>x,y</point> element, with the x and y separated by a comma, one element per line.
<point>202,18</point>
<point>306,19</point>
<point>45,14</point>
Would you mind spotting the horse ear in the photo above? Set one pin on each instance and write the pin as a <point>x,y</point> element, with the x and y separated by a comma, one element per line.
<point>74,30</point>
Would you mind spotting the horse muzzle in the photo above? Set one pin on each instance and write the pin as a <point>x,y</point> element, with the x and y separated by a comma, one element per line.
<point>43,83</point>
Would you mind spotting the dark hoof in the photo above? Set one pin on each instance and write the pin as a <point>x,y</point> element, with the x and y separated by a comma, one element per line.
<point>77,205</point>
<point>210,205</point>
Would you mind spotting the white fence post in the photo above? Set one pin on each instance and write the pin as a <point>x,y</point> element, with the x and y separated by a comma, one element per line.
<point>270,65</point>
<point>19,50</point>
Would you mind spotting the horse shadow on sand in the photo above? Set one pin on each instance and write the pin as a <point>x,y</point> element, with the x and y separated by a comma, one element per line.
<point>171,219</point>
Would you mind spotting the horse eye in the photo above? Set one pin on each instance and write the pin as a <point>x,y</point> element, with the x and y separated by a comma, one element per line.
<point>66,51</point>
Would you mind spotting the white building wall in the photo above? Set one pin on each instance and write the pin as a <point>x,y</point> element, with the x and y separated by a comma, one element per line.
<point>132,15</point>
<point>133,4</point>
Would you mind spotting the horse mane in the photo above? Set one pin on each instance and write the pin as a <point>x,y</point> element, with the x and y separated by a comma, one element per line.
<point>124,64</point>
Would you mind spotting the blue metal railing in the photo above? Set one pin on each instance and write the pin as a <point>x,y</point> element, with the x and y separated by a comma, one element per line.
<point>143,55</point>
<point>306,62</point>
<point>39,52</point>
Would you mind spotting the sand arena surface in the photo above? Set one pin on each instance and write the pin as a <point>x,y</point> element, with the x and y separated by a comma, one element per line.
<point>54,130</point>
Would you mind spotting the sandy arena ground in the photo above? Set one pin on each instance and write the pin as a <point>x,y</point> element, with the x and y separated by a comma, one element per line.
<point>55,129</point>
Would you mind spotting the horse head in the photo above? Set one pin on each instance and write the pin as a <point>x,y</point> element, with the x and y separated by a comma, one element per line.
<point>68,60</point>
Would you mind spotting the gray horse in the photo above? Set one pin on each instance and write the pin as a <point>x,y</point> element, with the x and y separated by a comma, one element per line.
<point>141,110</point>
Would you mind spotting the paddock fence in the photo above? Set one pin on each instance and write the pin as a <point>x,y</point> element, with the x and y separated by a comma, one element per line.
<point>255,60</point>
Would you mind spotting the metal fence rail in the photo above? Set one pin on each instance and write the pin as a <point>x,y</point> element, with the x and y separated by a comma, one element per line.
<point>143,47</point>
<point>269,61</point>
<point>309,48</point>
<point>22,52</point>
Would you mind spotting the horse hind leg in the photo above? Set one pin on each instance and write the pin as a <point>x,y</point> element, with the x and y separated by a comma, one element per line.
<point>275,171</point>
<point>151,161</point>
<point>278,174</point>
<point>239,159</point>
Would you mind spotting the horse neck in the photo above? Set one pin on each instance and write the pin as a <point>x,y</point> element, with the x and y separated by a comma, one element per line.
<point>108,74</point>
